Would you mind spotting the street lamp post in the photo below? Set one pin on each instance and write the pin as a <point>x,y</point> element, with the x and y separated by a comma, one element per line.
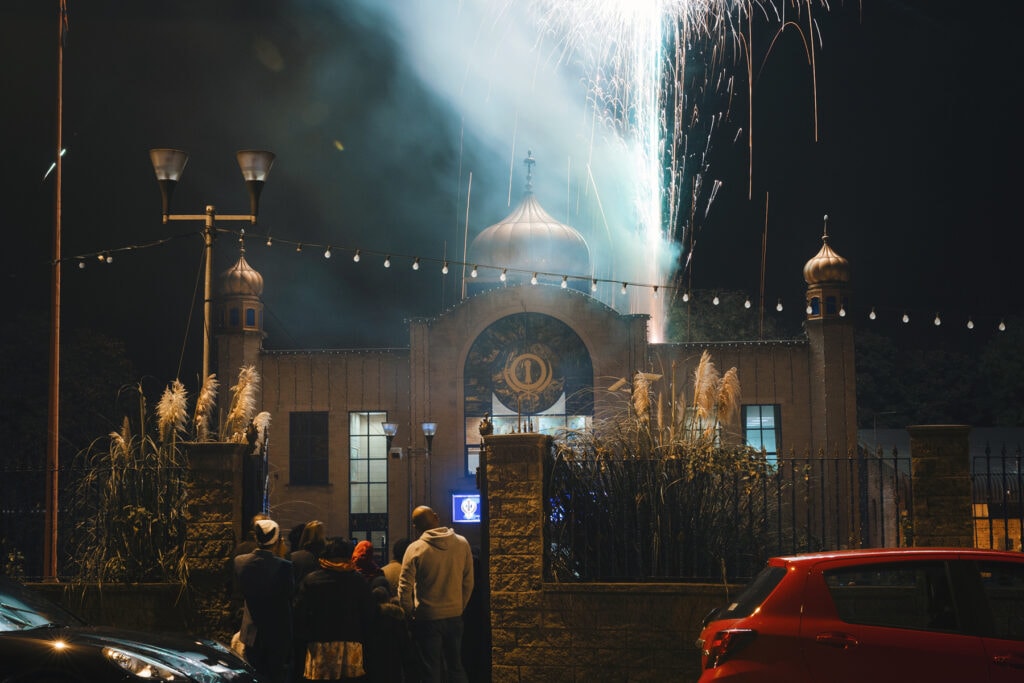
<point>168,164</point>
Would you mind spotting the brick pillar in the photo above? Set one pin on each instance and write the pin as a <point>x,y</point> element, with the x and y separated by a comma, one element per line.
<point>214,527</point>
<point>513,491</point>
<point>941,475</point>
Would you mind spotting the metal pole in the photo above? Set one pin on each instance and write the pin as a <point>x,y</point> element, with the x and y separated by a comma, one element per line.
<point>208,289</point>
<point>53,418</point>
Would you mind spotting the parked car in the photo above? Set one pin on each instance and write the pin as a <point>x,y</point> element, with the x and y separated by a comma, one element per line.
<point>42,642</point>
<point>912,614</point>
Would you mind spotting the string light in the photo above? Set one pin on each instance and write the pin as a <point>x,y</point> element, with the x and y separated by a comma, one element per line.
<point>416,263</point>
<point>842,310</point>
<point>872,315</point>
<point>778,306</point>
<point>686,297</point>
<point>654,292</point>
<point>624,287</point>
<point>269,241</point>
<point>746,302</point>
<point>565,281</point>
<point>355,256</point>
<point>387,261</point>
<point>81,265</point>
<point>473,273</point>
<point>101,257</point>
<point>937,321</point>
<point>533,280</point>
<point>504,274</point>
<point>1002,326</point>
<point>110,259</point>
<point>327,253</point>
<point>593,285</point>
<point>444,268</point>
<point>298,247</point>
<point>970,324</point>
<point>809,310</point>
<point>716,300</point>
<point>906,318</point>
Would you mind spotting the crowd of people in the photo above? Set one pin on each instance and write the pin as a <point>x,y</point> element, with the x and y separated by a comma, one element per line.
<point>320,608</point>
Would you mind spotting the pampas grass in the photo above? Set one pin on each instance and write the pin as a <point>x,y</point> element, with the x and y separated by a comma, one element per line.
<point>205,404</point>
<point>243,405</point>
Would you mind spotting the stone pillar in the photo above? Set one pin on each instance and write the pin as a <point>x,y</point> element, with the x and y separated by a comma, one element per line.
<point>215,526</point>
<point>514,500</point>
<point>940,469</point>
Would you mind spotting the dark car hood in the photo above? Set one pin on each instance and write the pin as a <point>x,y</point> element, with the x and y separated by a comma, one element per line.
<point>203,660</point>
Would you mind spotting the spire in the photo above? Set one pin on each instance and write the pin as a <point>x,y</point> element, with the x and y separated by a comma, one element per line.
<point>824,237</point>
<point>529,161</point>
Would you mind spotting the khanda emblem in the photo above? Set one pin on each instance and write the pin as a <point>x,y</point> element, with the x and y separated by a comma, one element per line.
<point>530,377</point>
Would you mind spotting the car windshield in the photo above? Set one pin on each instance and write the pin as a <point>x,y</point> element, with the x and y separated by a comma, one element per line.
<point>754,594</point>
<point>22,609</point>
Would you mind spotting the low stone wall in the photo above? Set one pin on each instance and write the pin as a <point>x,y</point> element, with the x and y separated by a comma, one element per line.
<point>151,607</point>
<point>551,632</point>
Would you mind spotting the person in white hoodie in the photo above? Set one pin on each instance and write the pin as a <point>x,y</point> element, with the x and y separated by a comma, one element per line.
<point>433,589</point>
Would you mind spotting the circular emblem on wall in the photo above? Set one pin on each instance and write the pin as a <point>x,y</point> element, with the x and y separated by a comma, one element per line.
<point>527,374</point>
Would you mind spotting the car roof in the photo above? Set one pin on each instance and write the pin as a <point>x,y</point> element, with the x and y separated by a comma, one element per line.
<point>807,559</point>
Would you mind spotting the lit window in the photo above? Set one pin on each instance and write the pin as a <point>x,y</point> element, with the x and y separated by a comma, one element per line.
<point>761,425</point>
<point>368,474</point>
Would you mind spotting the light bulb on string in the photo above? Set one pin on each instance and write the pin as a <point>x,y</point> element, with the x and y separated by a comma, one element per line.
<point>444,268</point>
<point>387,261</point>
<point>654,292</point>
<point>565,281</point>
<point>533,280</point>
<point>809,310</point>
<point>474,272</point>
<point>355,256</point>
<point>686,297</point>
<point>842,311</point>
<point>110,259</point>
<point>872,315</point>
<point>746,302</point>
<point>937,321</point>
<point>624,287</point>
<point>269,242</point>
<point>778,306</point>
<point>504,274</point>
<point>327,253</point>
<point>298,247</point>
<point>970,324</point>
<point>906,318</point>
<point>81,265</point>
<point>101,257</point>
<point>716,300</point>
<point>593,285</point>
<point>416,263</point>
<point>1002,326</point>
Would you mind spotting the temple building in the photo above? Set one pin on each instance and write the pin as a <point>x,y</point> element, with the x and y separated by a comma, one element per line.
<point>526,353</point>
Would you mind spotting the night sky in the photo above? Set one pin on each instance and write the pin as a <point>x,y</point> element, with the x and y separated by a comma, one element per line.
<point>379,113</point>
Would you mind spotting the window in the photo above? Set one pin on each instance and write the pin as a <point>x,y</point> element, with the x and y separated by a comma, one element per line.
<point>307,448</point>
<point>1003,583</point>
<point>368,471</point>
<point>914,595</point>
<point>250,317</point>
<point>761,429</point>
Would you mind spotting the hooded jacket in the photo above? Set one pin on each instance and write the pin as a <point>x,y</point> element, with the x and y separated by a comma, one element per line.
<point>437,575</point>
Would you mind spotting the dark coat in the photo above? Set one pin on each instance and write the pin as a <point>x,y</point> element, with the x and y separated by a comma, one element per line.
<point>334,604</point>
<point>266,583</point>
<point>303,562</point>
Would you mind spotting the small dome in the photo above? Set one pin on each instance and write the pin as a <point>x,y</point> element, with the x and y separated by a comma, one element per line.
<point>529,240</point>
<point>826,266</point>
<point>241,280</point>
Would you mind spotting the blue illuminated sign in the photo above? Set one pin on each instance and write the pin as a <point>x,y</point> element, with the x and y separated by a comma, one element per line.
<point>466,508</point>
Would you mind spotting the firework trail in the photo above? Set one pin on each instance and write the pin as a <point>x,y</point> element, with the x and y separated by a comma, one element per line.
<point>661,80</point>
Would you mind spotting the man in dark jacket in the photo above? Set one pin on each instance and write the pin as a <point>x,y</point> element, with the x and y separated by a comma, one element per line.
<point>266,583</point>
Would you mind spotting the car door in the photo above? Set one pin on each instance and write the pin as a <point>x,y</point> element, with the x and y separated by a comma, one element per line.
<point>1002,587</point>
<point>886,621</point>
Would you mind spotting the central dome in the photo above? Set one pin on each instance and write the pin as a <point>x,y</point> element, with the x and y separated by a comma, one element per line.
<point>529,241</point>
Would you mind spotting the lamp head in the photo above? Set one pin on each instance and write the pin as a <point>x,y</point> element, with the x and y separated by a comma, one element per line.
<point>255,165</point>
<point>429,429</point>
<point>168,164</point>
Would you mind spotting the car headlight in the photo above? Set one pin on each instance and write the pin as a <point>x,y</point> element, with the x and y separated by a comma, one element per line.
<point>143,667</point>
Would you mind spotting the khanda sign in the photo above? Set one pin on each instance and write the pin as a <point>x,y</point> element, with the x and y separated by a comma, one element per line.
<point>529,364</point>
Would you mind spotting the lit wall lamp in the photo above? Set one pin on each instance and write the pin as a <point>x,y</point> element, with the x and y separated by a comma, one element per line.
<point>429,429</point>
<point>169,164</point>
<point>390,429</point>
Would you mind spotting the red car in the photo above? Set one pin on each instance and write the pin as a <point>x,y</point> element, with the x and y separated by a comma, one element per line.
<point>909,614</point>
